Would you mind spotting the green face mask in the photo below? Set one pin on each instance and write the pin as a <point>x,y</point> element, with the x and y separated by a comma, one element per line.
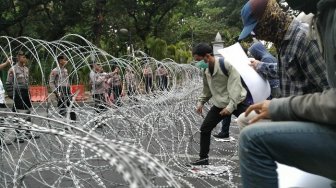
<point>202,64</point>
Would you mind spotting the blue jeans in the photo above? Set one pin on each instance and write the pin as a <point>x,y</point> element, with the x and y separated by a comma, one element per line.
<point>308,146</point>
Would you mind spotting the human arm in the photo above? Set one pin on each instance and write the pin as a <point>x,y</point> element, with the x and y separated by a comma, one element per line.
<point>100,78</point>
<point>4,65</point>
<point>123,89</point>
<point>206,93</point>
<point>313,65</point>
<point>52,82</point>
<point>235,89</point>
<point>316,107</point>
<point>267,70</point>
<point>10,76</point>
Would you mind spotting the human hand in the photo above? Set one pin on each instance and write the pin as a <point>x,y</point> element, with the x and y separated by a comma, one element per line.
<point>9,61</point>
<point>57,94</point>
<point>225,112</point>
<point>262,109</point>
<point>199,109</point>
<point>254,64</point>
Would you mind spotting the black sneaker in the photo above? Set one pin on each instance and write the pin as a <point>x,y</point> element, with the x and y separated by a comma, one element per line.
<point>200,162</point>
<point>20,138</point>
<point>30,135</point>
<point>222,135</point>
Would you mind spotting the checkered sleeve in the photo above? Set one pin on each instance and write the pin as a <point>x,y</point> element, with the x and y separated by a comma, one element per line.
<point>315,66</point>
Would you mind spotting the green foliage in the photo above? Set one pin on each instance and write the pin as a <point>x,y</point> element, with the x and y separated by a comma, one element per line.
<point>157,47</point>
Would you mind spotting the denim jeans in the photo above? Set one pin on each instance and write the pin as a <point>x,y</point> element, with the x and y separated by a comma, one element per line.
<point>308,146</point>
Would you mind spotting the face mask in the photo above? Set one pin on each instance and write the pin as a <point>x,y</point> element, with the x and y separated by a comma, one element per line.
<point>202,64</point>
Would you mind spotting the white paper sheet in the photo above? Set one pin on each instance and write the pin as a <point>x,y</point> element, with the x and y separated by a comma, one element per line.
<point>259,87</point>
<point>290,177</point>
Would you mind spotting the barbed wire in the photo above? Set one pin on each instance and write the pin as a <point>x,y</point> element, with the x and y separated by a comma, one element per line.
<point>145,142</point>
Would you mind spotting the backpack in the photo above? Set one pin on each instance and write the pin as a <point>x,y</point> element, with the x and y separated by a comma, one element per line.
<point>248,100</point>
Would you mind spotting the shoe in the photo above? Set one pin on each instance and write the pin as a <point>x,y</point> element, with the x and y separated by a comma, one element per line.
<point>30,135</point>
<point>20,137</point>
<point>200,162</point>
<point>222,135</point>
<point>19,140</point>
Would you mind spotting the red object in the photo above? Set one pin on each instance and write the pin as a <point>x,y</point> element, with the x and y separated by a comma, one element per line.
<point>81,92</point>
<point>38,93</point>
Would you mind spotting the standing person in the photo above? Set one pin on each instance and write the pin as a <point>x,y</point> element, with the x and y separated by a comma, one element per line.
<point>3,104</point>
<point>129,84</point>
<point>59,84</point>
<point>301,67</point>
<point>303,134</point>
<point>148,74</point>
<point>2,90</point>
<point>227,94</point>
<point>266,65</point>
<point>115,85</point>
<point>18,78</point>
<point>162,77</point>
<point>99,79</point>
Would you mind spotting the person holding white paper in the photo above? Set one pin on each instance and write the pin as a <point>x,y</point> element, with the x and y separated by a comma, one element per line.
<point>303,134</point>
<point>301,67</point>
<point>266,65</point>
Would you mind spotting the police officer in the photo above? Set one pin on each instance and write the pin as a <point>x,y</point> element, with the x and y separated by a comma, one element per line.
<point>18,78</point>
<point>59,84</point>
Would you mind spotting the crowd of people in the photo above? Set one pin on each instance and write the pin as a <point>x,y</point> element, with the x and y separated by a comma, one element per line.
<point>107,88</point>
<point>295,126</point>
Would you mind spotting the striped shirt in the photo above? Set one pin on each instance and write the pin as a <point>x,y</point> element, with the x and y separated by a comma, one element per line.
<point>301,66</point>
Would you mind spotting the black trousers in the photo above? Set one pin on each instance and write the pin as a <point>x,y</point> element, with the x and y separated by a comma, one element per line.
<point>148,84</point>
<point>116,92</point>
<point>99,102</point>
<point>21,99</point>
<point>64,101</point>
<point>210,121</point>
<point>162,82</point>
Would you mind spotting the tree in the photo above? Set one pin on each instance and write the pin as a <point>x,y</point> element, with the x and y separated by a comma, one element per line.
<point>148,17</point>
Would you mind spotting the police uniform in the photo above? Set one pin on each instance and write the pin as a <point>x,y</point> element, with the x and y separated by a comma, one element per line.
<point>59,84</point>
<point>18,77</point>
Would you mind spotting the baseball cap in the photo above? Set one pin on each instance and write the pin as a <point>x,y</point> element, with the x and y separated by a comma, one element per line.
<point>251,13</point>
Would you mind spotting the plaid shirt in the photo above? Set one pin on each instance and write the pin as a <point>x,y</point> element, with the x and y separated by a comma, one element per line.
<point>301,67</point>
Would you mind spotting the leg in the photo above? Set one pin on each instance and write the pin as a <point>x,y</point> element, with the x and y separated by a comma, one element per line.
<point>150,83</point>
<point>211,120</point>
<point>61,105</point>
<point>165,82</point>
<point>225,132</point>
<point>226,125</point>
<point>308,146</point>
<point>117,94</point>
<point>158,82</point>
<point>73,115</point>
<point>99,101</point>
<point>147,84</point>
